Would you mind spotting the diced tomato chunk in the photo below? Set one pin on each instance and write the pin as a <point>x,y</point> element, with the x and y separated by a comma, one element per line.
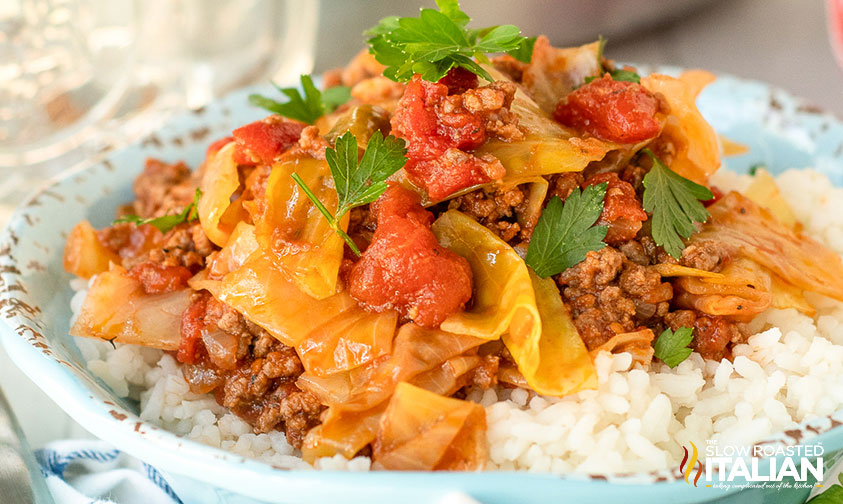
<point>459,80</point>
<point>439,131</point>
<point>217,145</point>
<point>622,211</point>
<point>617,111</point>
<point>158,278</point>
<point>263,141</point>
<point>405,268</point>
<point>192,327</point>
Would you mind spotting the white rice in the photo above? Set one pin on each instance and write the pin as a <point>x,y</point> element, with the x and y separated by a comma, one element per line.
<point>637,421</point>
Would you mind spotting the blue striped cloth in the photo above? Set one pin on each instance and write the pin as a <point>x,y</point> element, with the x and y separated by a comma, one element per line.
<point>93,472</point>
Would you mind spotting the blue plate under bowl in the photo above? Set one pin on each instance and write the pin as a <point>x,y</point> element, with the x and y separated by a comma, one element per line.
<point>781,131</point>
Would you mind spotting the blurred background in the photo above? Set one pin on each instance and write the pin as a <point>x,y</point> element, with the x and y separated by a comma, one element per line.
<point>81,77</point>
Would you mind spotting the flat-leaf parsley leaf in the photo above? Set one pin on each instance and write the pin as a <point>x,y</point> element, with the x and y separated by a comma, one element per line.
<point>565,232</point>
<point>672,346</point>
<point>674,202</point>
<point>167,222</point>
<point>308,108</point>
<point>357,183</point>
<point>439,40</point>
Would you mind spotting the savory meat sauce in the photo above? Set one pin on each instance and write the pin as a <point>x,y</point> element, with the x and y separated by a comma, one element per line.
<point>257,295</point>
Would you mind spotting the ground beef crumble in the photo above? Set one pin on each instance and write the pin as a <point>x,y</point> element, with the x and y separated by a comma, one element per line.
<point>614,290</point>
<point>496,208</point>
<point>163,188</point>
<point>259,385</point>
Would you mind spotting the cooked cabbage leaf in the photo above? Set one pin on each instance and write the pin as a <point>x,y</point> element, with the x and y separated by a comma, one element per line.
<point>503,301</point>
<point>293,231</point>
<point>557,362</point>
<point>697,153</point>
<point>117,309</point>
<point>220,180</point>
<point>424,431</point>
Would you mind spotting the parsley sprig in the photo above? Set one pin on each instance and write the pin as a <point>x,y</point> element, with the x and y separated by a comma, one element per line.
<point>674,202</point>
<point>437,41</point>
<point>672,347</point>
<point>565,233</point>
<point>357,183</point>
<point>618,74</point>
<point>308,108</point>
<point>167,222</point>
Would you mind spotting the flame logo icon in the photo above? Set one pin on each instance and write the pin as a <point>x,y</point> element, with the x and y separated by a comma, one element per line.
<point>686,467</point>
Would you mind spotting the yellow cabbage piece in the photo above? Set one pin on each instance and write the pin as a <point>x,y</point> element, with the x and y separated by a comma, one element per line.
<point>503,295</point>
<point>540,155</point>
<point>358,398</point>
<point>117,309</point>
<point>555,72</point>
<point>637,343</point>
<point>697,152</point>
<point>511,302</point>
<point>529,217</point>
<point>754,233</point>
<point>740,293</point>
<point>675,270</point>
<point>449,377</point>
<point>765,192</point>
<point>331,335</point>
<point>220,181</point>
<point>84,254</point>
<point>557,362</point>
<point>241,245</point>
<point>424,431</point>
<point>347,341</point>
<point>294,233</point>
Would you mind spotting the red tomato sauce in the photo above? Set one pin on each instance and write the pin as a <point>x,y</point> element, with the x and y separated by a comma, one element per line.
<point>616,111</point>
<point>192,326</point>
<point>405,268</point>
<point>158,278</point>
<point>622,211</point>
<point>436,130</point>
<point>263,141</point>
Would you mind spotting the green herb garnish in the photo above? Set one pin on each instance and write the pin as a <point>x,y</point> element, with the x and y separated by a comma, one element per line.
<point>619,75</point>
<point>626,76</point>
<point>437,41</point>
<point>601,47</point>
<point>308,108</point>
<point>167,222</point>
<point>832,495</point>
<point>357,183</point>
<point>674,202</point>
<point>672,347</point>
<point>565,232</point>
<point>757,166</point>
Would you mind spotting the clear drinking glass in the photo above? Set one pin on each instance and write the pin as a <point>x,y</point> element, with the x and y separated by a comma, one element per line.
<point>195,50</point>
<point>94,71</point>
<point>78,77</point>
<point>64,65</point>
